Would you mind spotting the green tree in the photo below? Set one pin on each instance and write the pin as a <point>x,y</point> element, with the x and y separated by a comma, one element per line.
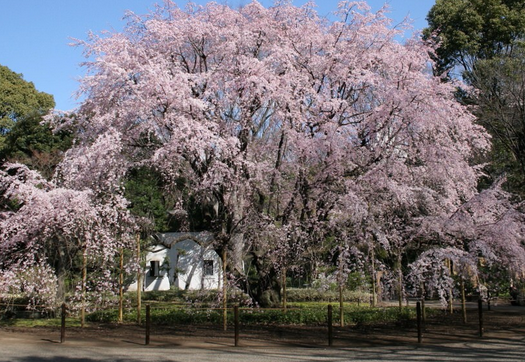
<point>469,30</point>
<point>34,144</point>
<point>482,41</point>
<point>147,192</point>
<point>143,188</point>
<point>19,98</point>
<point>23,136</point>
<point>500,99</point>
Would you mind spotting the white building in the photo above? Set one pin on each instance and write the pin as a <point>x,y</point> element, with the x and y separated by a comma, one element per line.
<point>182,260</point>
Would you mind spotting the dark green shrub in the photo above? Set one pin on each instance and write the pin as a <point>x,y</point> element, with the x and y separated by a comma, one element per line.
<point>315,295</point>
<point>302,314</point>
<point>103,316</point>
<point>164,296</point>
<point>309,316</point>
<point>369,316</point>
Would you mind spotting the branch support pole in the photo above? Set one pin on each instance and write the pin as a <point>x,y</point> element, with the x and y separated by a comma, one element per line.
<point>283,278</point>
<point>139,281</point>
<point>224,291</point>
<point>84,282</point>
<point>341,306</point>
<point>121,288</point>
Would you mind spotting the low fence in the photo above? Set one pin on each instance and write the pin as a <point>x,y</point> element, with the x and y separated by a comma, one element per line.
<point>417,332</point>
<point>13,310</point>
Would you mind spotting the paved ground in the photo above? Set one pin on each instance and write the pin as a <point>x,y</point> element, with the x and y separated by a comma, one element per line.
<point>17,347</point>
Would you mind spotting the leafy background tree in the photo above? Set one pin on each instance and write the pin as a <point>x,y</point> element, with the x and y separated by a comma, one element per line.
<point>481,41</point>
<point>19,99</point>
<point>23,136</point>
<point>471,30</point>
<point>500,108</point>
<point>143,188</point>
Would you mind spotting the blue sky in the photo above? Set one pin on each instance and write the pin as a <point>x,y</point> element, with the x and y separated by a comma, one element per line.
<point>35,34</point>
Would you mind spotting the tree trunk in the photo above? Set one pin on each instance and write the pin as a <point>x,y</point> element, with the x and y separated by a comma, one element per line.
<point>264,283</point>
<point>61,286</point>
<point>61,270</point>
<point>463,300</point>
<point>451,291</point>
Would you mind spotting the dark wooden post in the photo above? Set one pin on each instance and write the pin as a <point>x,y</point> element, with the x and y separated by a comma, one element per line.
<point>236,324</point>
<point>148,323</point>
<point>423,312</point>
<point>63,323</point>
<point>480,312</point>
<point>330,328</point>
<point>419,322</point>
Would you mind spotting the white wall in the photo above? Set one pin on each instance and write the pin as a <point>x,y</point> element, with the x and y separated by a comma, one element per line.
<point>181,266</point>
<point>187,266</point>
<point>160,282</point>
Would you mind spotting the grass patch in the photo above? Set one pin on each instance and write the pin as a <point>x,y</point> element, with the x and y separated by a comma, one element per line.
<point>42,322</point>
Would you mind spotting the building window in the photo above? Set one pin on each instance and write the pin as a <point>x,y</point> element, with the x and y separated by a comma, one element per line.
<point>208,267</point>
<point>154,267</point>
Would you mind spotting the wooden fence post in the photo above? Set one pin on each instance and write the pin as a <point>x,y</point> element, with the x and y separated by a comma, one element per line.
<point>480,312</point>
<point>63,324</point>
<point>330,328</point>
<point>236,324</point>
<point>419,324</point>
<point>423,312</point>
<point>148,323</point>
